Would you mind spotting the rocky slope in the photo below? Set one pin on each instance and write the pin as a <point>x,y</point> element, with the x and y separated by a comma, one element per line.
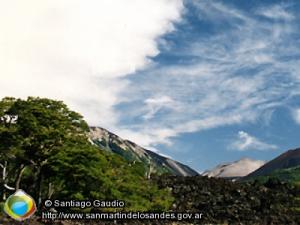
<point>134,153</point>
<point>235,169</point>
<point>289,175</point>
<point>226,202</point>
<point>286,160</point>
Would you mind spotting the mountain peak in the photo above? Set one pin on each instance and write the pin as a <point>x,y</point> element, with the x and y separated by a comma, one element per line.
<point>288,159</point>
<point>237,168</point>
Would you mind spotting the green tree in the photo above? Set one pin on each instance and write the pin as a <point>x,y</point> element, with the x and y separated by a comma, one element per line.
<point>9,143</point>
<point>34,129</point>
<point>44,147</point>
<point>94,174</point>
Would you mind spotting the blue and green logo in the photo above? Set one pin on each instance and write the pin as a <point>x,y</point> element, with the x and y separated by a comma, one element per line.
<point>20,206</point>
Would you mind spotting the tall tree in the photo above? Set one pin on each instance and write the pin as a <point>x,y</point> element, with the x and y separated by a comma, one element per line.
<point>34,129</point>
<point>9,143</point>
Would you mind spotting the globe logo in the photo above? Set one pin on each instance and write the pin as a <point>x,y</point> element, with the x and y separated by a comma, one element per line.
<point>20,206</point>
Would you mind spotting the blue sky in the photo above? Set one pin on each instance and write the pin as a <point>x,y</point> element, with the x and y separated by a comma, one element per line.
<point>203,82</point>
<point>224,86</point>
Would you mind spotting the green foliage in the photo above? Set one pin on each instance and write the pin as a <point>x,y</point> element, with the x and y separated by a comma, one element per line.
<point>31,131</point>
<point>48,154</point>
<point>95,174</point>
<point>130,155</point>
<point>290,175</point>
<point>1,206</point>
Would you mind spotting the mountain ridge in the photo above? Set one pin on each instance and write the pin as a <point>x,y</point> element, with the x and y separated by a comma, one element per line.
<point>132,152</point>
<point>288,159</point>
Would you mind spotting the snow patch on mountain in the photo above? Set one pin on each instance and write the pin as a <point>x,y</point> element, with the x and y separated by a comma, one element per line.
<point>239,168</point>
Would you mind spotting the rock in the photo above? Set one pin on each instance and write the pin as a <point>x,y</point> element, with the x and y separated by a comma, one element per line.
<point>235,203</point>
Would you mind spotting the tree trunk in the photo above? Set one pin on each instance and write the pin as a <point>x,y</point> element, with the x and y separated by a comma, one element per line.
<point>40,191</point>
<point>4,180</point>
<point>39,181</point>
<point>3,166</point>
<point>19,176</point>
<point>149,171</point>
<point>50,190</point>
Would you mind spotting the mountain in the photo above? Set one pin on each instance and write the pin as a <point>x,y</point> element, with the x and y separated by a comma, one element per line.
<point>134,153</point>
<point>234,169</point>
<point>286,160</point>
<point>290,175</point>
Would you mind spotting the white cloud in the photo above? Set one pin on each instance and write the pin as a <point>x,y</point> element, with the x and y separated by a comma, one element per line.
<point>82,51</point>
<point>154,105</point>
<point>77,51</point>
<point>147,135</point>
<point>235,76</point>
<point>247,142</point>
<point>214,9</point>
<point>277,12</point>
<point>296,114</point>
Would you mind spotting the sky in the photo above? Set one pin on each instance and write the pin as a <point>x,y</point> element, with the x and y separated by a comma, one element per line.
<point>203,82</point>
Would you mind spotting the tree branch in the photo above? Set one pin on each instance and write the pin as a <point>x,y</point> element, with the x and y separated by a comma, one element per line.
<point>9,188</point>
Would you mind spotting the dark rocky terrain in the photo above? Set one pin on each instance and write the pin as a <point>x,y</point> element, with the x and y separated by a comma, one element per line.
<point>225,202</point>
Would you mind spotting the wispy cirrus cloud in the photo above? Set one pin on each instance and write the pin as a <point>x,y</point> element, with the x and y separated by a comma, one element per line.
<point>157,104</point>
<point>239,71</point>
<point>247,142</point>
<point>277,12</point>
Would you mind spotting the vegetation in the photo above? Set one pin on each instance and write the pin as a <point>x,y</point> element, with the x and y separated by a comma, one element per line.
<point>44,149</point>
<point>290,175</point>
